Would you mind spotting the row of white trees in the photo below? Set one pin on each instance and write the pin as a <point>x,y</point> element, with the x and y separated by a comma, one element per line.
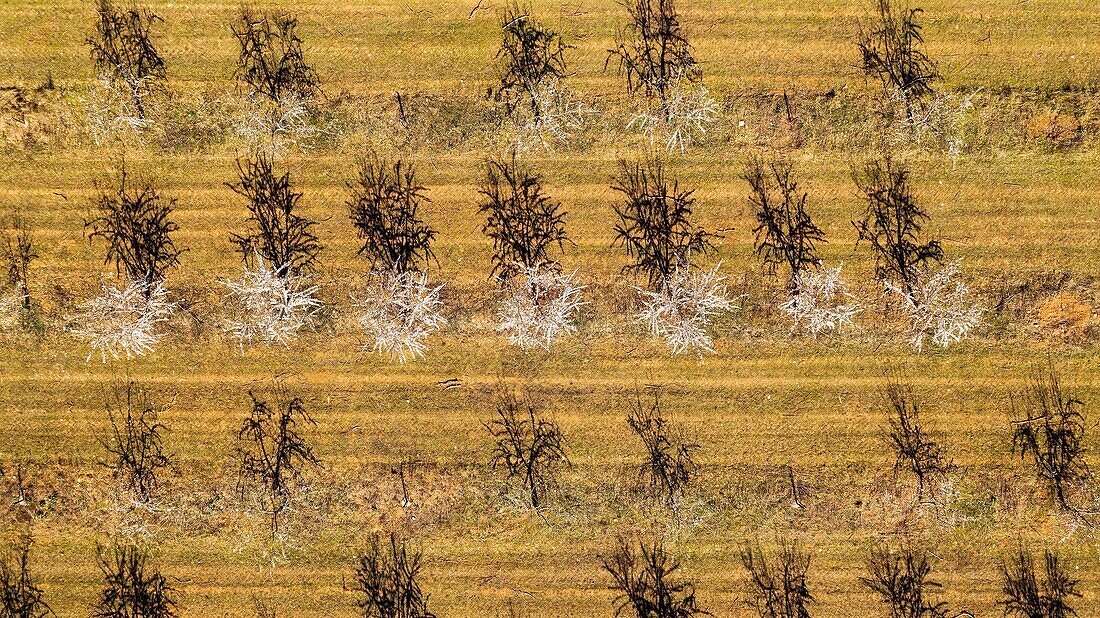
<point>400,311</point>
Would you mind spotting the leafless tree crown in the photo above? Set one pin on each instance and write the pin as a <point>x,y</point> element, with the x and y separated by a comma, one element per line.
<point>527,446</point>
<point>523,222</point>
<point>1050,432</point>
<point>892,222</point>
<point>122,49</point>
<point>785,233</point>
<point>890,45</point>
<point>669,465</point>
<point>655,222</point>
<point>386,580</point>
<point>19,252</point>
<point>271,451</point>
<point>902,579</point>
<point>779,588</point>
<point>529,53</point>
<point>132,586</point>
<point>385,209</point>
<point>136,223</point>
<point>277,233</point>
<point>135,449</point>
<point>20,596</point>
<point>271,62</point>
<point>653,52</point>
<point>648,582</point>
<point>1026,595</point>
<point>913,449</point>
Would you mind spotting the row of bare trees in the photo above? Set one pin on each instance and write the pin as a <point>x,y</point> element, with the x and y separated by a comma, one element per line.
<point>270,449</point>
<point>651,52</point>
<point>1048,433</point>
<point>647,577</point>
<point>651,585</point>
<point>530,447</point>
<point>270,62</point>
<point>386,582</point>
<point>655,226</point>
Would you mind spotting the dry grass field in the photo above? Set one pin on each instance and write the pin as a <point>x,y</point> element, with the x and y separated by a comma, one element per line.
<point>1021,213</point>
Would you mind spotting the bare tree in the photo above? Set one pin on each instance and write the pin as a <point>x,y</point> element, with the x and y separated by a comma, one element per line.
<point>653,52</point>
<point>890,44</point>
<point>892,223</point>
<point>527,446</point>
<point>785,233</point>
<point>386,579</point>
<point>123,52</point>
<point>135,449</point>
<point>271,452</point>
<point>1051,433</point>
<point>529,54</point>
<point>655,222</point>
<point>132,587</point>
<point>271,62</point>
<point>385,208</point>
<point>903,581</point>
<point>136,223</point>
<point>523,222</point>
<point>648,582</point>
<point>913,449</point>
<point>669,464</point>
<point>19,253</point>
<point>779,588</point>
<point>278,234</point>
<point>20,596</point>
<point>1026,596</point>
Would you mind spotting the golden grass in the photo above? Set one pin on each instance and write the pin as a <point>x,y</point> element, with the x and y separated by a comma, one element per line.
<point>762,402</point>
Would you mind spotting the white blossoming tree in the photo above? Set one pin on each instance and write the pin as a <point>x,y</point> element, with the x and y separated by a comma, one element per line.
<point>939,307</point>
<point>399,308</point>
<point>679,120</point>
<point>124,320</point>
<point>398,311</point>
<point>275,125</point>
<point>820,302</point>
<point>556,116</point>
<point>269,305</point>
<point>134,220</point>
<point>681,310</point>
<point>539,305</point>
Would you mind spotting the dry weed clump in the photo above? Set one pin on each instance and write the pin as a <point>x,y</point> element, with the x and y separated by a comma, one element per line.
<point>1056,129</point>
<point>31,117</point>
<point>1066,315</point>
